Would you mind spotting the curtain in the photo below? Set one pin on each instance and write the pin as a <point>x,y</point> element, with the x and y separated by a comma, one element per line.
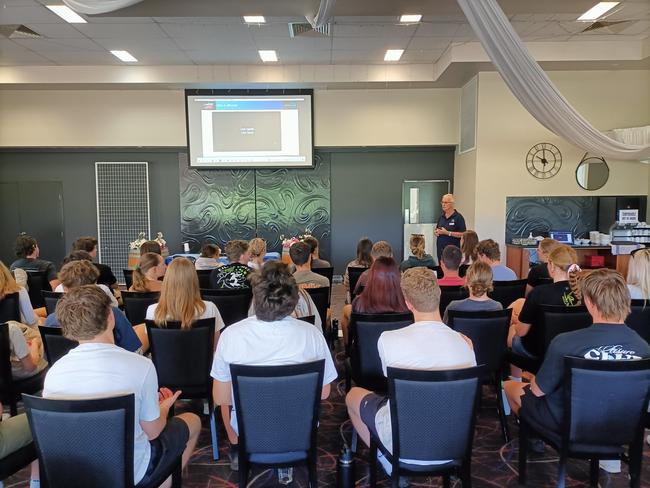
<point>98,6</point>
<point>324,14</point>
<point>534,90</point>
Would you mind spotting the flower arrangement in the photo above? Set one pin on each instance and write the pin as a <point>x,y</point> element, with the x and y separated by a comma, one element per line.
<point>287,242</point>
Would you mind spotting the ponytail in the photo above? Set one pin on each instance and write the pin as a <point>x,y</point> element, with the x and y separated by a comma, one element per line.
<point>147,261</point>
<point>417,245</point>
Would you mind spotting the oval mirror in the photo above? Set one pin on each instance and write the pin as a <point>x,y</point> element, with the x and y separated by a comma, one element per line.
<point>592,173</point>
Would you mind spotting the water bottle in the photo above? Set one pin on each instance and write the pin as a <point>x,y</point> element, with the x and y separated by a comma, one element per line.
<point>345,469</point>
<point>335,329</point>
<point>285,475</point>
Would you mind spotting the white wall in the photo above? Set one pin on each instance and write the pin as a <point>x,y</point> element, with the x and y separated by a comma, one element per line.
<point>506,132</point>
<point>87,118</point>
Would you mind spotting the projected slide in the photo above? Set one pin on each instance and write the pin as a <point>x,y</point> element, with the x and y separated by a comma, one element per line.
<point>249,131</point>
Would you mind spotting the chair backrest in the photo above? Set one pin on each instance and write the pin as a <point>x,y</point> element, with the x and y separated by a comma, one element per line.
<point>506,292</point>
<point>10,307</point>
<point>37,281</point>
<point>364,331</point>
<point>353,276</point>
<point>136,304</point>
<point>183,357</point>
<point>233,305</point>
<point>552,321</point>
<point>320,296</point>
<point>55,344</point>
<point>277,406</point>
<point>50,298</point>
<point>433,412</point>
<point>83,442</point>
<point>450,293</point>
<point>439,272</point>
<point>605,402</point>
<point>6,379</point>
<point>462,270</point>
<point>329,274</point>
<point>204,277</point>
<point>639,318</point>
<point>544,281</point>
<point>309,318</point>
<point>128,277</point>
<point>488,332</point>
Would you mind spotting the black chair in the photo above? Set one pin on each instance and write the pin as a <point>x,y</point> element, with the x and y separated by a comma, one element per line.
<point>55,344</point>
<point>233,305</point>
<point>639,319</point>
<point>329,274</point>
<point>136,304</point>
<point>450,293</point>
<point>277,411</point>
<point>320,296</point>
<point>462,270</point>
<point>128,277</point>
<point>308,318</point>
<point>37,282</point>
<point>439,272</point>
<point>83,443</point>
<point>353,276</point>
<point>489,333</point>
<point>17,460</point>
<point>364,365</point>
<point>432,418</point>
<point>183,358</point>
<point>605,408</point>
<point>11,390</point>
<point>50,298</point>
<point>506,292</point>
<point>204,277</point>
<point>10,308</point>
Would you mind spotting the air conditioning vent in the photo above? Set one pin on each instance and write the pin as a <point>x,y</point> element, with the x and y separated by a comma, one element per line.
<point>18,31</point>
<point>305,29</point>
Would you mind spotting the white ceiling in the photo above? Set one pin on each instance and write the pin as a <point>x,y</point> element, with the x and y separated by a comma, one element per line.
<point>172,32</point>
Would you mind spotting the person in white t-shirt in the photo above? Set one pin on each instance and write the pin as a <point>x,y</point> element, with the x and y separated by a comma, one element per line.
<point>270,337</point>
<point>97,368</point>
<point>427,344</point>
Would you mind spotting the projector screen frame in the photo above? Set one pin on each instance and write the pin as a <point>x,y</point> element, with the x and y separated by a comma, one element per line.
<point>247,92</point>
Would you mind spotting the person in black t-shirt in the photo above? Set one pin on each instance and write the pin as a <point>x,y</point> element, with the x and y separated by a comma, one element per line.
<point>538,274</point>
<point>607,299</point>
<point>450,226</point>
<point>235,274</point>
<point>29,259</point>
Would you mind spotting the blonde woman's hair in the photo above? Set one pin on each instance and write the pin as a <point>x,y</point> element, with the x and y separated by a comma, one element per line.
<point>257,247</point>
<point>148,261</point>
<point>180,298</point>
<point>478,278</point>
<point>638,272</point>
<point>417,245</point>
<point>547,245</point>
<point>563,257</point>
<point>8,284</point>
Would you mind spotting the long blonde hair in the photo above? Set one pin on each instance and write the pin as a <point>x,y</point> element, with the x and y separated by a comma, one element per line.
<point>180,298</point>
<point>148,260</point>
<point>7,283</point>
<point>479,279</point>
<point>638,272</point>
<point>417,245</point>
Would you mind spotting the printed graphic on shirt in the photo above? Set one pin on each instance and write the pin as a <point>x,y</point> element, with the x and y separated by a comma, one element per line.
<point>568,299</point>
<point>232,277</point>
<point>611,353</point>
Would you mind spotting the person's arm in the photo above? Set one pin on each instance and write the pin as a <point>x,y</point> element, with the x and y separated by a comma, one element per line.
<point>26,353</point>
<point>221,392</point>
<point>155,427</point>
<point>521,329</point>
<point>325,391</point>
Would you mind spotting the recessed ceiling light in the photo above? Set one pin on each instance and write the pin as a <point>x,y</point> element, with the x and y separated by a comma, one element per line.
<point>268,56</point>
<point>598,10</point>
<point>67,14</point>
<point>254,19</point>
<point>410,18</point>
<point>393,54</point>
<point>125,56</point>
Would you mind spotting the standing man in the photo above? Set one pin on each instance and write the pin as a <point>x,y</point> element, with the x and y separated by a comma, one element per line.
<point>451,225</point>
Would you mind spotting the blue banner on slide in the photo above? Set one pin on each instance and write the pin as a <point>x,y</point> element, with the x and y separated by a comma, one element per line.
<point>250,105</point>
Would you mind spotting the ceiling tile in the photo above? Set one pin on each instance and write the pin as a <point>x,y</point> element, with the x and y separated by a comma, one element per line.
<point>438,29</point>
<point>121,31</point>
<point>27,14</point>
<point>354,56</point>
<point>429,43</point>
<point>369,43</point>
<point>373,30</point>
<point>422,55</point>
<point>234,32</point>
<point>82,57</point>
<point>223,56</point>
<point>213,43</point>
<point>54,45</point>
<point>305,57</point>
<point>298,43</point>
<point>56,31</point>
<point>138,45</point>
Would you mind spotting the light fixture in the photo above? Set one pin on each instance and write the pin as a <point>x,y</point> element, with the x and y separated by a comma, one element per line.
<point>67,14</point>
<point>254,19</point>
<point>268,56</point>
<point>393,54</point>
<point>406,19</point>
<point>598,10</point>
<point>125,56</point>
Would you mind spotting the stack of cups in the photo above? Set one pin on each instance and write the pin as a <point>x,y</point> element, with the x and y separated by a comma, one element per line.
<point>594,237</point>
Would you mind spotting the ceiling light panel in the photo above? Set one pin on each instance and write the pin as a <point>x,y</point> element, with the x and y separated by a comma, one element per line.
<point>67,14</point>
<point>410,18</point>
<point>254,19</point>
<point>598,11</point>
<point>125,56</point>
<point>268,56</point>
<point>393,54</point>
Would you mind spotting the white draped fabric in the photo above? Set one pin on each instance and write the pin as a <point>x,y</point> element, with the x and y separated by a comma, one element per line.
<point>534,90</point>
<point>98,6</point>
<point>324,14</point>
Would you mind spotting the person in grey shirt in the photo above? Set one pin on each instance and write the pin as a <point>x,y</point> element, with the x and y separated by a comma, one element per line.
<point>479,283</point>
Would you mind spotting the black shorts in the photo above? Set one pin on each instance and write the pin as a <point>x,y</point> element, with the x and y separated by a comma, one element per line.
<point>537,409</point>
<point>166,448</point>
<point>370,405</point>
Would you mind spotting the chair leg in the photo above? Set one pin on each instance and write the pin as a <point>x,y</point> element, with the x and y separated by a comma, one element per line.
<point>313,470</point>
<point>466,474</point>
<point>634,466</point>
<point>446,481</point>
<point>593,472</point>
<point>500,411</point>
<point>177,475</point>
<point>561,472</point>
<point>355,440</point>
<point>243,470</point>
<point>213,432</point>
<point>523,451</point>
<point>372,464</point>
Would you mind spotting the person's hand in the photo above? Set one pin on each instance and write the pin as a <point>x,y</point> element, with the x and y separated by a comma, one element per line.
<point>166,398</point>
<point>438,231</point>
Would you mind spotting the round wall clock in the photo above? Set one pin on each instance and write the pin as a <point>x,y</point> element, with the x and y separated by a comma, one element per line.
<point>544,160</point>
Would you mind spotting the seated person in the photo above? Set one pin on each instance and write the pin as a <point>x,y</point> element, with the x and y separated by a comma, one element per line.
<point>78,274</point>
<point>468,243</point>
<point>82,273</point>
<point>209,258</point>
<point>14,435</point>
<point>9,286</point>
<point>233,275</point>
<point>316,261</point>
<point>257,248</point>
<point>488,252</point>
<point>379,249</point>
<point>300,254</point>
<point>98,368</point>
<point>538,274</point>
<point>26,351</point>
<point>479,284</point>
<point>89,244</point>
<point>363,260</point>
<point>427,344</point>
<point>150,246</point>
<point>271,337</point>
<point>28,254</point>
<point>418,257</point>
<point>638,275</point>
<point>146,275</point>
<point>450,263</point>
<point>382,293</point>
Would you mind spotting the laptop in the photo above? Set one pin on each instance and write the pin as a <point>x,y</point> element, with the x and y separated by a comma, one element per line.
<point>562,236</point>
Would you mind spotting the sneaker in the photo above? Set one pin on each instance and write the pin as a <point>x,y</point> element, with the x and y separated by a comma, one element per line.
<point>233,454</point>
<point>285,476</point>
<point>611,465</point>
